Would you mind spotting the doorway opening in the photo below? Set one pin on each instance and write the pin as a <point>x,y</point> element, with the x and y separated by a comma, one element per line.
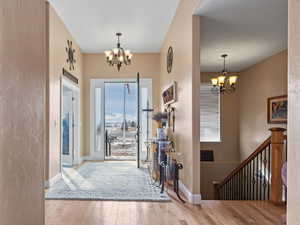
<point>116,113</point>
<point>70,132</point>
<point>120,120</point>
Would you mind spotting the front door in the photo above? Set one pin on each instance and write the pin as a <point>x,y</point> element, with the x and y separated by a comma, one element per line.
<point>115,114</point>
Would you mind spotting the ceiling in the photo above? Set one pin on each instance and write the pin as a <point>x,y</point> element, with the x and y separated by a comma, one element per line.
<point>247,30</point>
<point>93,23</point>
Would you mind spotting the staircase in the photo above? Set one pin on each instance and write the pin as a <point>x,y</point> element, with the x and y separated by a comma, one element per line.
<point>259,176</point>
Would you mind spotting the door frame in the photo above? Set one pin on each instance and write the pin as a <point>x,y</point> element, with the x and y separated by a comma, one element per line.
<point>99,82</point>
<point>76,145</point>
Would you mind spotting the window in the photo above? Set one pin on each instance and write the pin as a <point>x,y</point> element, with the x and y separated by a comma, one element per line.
<point>209,114</point>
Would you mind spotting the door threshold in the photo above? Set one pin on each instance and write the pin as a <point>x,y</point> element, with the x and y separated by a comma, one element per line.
<point>125,160</point>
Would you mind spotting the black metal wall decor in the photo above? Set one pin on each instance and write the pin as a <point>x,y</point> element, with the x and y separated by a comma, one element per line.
<point>71,55</point>
<point>170,59</point>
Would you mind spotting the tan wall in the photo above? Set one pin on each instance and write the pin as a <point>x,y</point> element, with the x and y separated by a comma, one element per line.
<point>184,37</point>
<point>95,66</point>
<point>256,84</point>
<point>214,171</point>
<point>294,112</point>
<point>58,36</point>
<point>22,112</point>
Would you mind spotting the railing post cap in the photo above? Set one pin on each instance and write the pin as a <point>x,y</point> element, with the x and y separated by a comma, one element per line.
<point>274,129</point>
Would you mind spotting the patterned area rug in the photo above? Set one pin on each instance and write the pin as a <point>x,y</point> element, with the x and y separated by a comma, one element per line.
<point>114,181</point>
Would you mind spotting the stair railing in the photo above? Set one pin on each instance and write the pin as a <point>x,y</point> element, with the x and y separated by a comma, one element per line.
<point>259,176</point>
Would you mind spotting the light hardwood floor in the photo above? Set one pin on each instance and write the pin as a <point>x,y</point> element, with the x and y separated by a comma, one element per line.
<point>155,213</point>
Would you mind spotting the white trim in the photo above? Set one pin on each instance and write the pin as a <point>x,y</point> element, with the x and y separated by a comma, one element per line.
<point>78,160</point>
<point>96,83</point>
<point>52,181</point>
<point>65,82</point>
<point>91,158</point>
<point>192,198</point>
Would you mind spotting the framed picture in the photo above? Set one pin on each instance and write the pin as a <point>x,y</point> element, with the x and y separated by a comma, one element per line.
<point>277,109</point>
<point>169,95</point>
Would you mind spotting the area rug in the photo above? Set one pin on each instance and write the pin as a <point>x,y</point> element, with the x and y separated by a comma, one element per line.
<point>113,181</point>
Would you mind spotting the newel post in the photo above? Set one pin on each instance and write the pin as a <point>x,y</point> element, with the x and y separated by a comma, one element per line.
<point>277,146</point>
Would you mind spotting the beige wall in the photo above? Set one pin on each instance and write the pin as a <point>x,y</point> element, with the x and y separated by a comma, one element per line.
<point>184,37</point>
<point>214,171</point>
<point>95,66</point>
<point>58,36</point>
<point>294,112</point>
<point>256,84</point>
<point>22,112</point>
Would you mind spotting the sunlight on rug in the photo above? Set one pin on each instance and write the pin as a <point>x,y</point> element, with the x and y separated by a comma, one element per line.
<point>114,181</point>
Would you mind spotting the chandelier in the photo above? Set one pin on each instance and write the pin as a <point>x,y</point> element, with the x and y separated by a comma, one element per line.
<point>118,56</point>
<point>224,83</point>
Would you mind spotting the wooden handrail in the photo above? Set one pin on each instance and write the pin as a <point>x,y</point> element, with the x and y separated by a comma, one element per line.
<point>262,147</point>
<point>233,186</point>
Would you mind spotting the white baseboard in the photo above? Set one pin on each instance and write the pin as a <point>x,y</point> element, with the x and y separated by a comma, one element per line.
<point>53,180</point>
<point>78,161</point>
<point>192,198</point>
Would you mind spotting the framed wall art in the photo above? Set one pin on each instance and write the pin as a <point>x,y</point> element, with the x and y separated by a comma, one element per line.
<point>277,109</point>
<point>169,95</point>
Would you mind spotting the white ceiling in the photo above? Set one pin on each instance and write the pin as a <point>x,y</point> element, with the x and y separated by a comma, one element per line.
<point>93,23</point>
<point>247,30</point>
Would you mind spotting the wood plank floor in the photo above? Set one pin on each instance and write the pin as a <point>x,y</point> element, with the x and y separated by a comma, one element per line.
<point>154,213</point>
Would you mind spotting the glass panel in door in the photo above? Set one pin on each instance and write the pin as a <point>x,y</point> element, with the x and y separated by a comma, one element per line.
<point>120,120</point>
<point>146,111</point>
<point>67,122</point>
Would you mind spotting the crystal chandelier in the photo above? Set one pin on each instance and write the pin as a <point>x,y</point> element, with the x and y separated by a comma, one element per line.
<point>224,83</point>
<point>118,56</point>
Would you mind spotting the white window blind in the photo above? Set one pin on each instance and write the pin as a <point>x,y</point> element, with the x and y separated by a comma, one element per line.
<point>209,114</point>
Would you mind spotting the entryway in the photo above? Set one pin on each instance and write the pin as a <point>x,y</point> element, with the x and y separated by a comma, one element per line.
<point>117,168</point>
<point>120,128</point>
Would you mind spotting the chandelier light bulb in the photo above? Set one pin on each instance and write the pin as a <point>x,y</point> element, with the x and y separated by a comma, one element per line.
<point>221,80</point>
<point>107,53</point>
<point>232,80</point>
<point>121,58</point>
<point>116,51</point>
<point>214,81</point>
<point>127,52</point>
